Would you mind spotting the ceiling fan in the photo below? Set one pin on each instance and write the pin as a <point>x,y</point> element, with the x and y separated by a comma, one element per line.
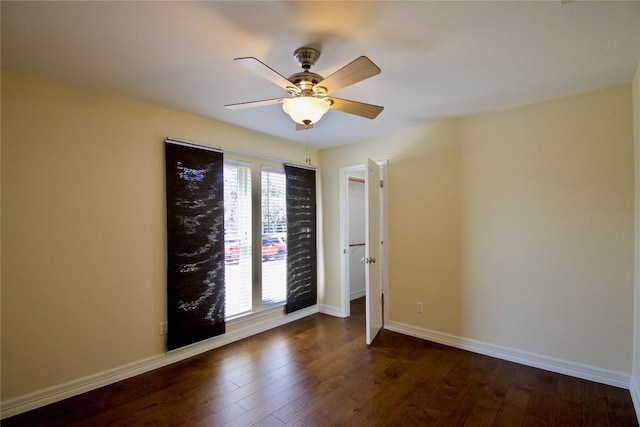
<point>309,92</point>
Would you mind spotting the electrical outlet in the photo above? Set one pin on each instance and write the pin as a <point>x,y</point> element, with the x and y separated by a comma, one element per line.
<point>163,328</point>
<point>418,307</point>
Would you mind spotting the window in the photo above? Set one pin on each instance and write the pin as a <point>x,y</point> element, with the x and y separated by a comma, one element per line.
<point>241,239</point>
<point>237,238</point>
<point>255,237</point>
<point>274,235</point>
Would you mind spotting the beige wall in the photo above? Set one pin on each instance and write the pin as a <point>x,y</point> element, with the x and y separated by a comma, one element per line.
<point>83,220</point>
<point>636,138</point>
<point>514,228</point>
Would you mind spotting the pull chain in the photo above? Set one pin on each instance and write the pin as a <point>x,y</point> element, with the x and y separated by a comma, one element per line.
<point>308,156</point>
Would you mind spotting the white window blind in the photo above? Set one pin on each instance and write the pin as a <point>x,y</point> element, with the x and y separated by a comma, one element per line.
<point>274,236</point>
<point>237,238</point>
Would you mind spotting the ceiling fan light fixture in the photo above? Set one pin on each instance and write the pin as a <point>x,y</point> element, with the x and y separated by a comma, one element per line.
<point>306,110</point>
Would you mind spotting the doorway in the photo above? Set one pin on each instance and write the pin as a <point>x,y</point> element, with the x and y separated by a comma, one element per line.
<point>352,234</point>
<point>356,237</point>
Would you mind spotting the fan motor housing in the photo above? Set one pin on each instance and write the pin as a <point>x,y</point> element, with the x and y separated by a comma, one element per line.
<point>305,80</point>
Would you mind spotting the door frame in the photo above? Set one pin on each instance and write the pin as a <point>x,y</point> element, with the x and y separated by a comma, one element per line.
<point>345,173</point>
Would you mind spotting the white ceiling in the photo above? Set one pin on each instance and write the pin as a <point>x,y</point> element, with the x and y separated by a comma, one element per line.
<point>438,59</point>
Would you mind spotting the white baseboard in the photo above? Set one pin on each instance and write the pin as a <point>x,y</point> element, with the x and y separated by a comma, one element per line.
<point>587,372</point>
<point>331,311</point>
<point>634,389</point>
<point>59,392</point>
<point>357,294</point>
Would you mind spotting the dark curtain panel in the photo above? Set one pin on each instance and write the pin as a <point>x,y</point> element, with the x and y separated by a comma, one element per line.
<point>302,289</point>
<point>195,244</point>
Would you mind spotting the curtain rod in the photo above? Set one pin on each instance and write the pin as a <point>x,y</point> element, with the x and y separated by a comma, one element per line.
<point>240,153</point>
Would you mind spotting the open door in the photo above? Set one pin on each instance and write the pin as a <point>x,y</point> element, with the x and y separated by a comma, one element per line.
<point>372,250</point>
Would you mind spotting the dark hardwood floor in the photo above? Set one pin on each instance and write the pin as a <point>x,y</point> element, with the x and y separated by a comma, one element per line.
<point>318,372</point>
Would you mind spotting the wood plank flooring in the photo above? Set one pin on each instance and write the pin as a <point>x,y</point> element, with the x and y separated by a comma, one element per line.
<point>318,372</point>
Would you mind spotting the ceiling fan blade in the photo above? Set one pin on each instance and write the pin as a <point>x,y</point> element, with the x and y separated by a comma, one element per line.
<point>361,109</point>
<point>354,72</point>
<point>252,104</point>
<point>265,71</point>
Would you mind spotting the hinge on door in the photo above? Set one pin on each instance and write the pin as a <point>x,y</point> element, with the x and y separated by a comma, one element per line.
<point>381,184</point>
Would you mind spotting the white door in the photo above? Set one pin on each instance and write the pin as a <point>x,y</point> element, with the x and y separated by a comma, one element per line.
<point>372,250</point>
